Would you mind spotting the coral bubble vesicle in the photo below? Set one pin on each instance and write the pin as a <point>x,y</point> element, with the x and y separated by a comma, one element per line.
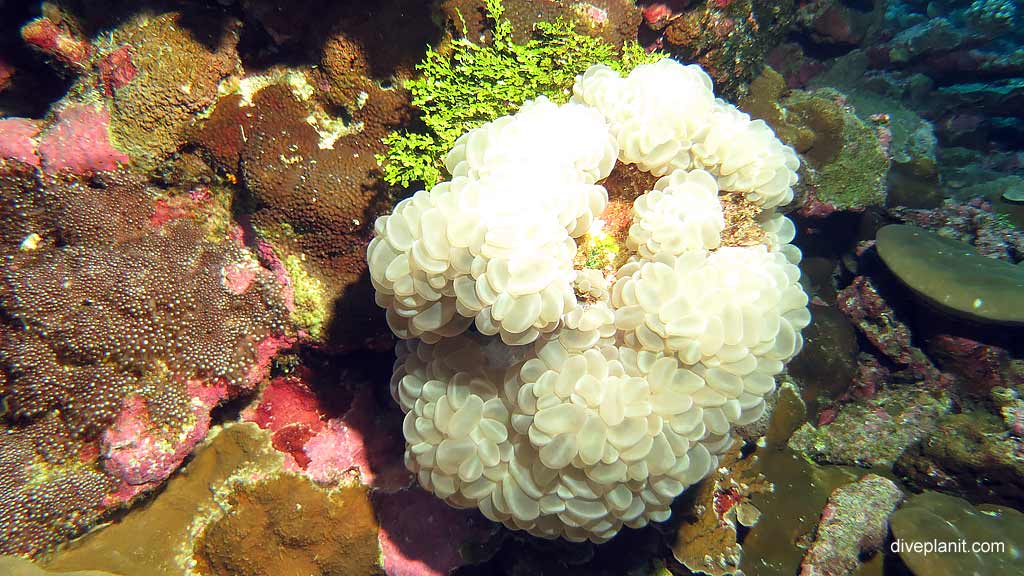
<point>570,396</point>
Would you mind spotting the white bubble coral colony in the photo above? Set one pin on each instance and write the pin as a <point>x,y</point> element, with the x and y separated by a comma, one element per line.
<point>580,403</point>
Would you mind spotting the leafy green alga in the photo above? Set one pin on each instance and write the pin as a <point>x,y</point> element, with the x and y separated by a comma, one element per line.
<point>470,84</point>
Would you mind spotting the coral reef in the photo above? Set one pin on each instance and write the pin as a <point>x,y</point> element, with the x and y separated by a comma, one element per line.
<point>827,365</point>
<point>864,305</point>
<point>874,432</point>
<point>311,182</point>
<point>210,246</point>
<point>847,163</point>
<point>980,367</point>
<point>311,202</point>
<point>963,448</point>
<point>16,566</point>
<point>235,454</point>
<point>972,222</point>
<point>778,542</point>
<point>158,73</point>
<point>614,21</point>
<point>330,442</point>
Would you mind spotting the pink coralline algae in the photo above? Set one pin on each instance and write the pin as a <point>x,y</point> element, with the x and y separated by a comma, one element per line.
<point>239,276</point>
<point>358,439</point>
<point>364,439</point>
<point>877,321</point>
<point>332,443</point>
<point>980,366</point>
<point>115,70</point>
<point>17,140</point>
<point>142,455</point>
<point>79,142</point>
<point>57,42</point>
<point>657,15</point>
<point>815,208</point>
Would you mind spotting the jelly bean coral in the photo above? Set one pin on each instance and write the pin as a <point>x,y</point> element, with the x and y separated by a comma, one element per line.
<point>569,401</point>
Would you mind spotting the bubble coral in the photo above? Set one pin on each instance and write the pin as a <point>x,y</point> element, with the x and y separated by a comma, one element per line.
<point>605,395</point>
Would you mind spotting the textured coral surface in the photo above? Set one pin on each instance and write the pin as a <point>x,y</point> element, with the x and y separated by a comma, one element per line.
<point>117,341</point>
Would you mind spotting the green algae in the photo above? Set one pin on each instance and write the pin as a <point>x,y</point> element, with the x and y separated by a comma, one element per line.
<point>952,276</point>
<point>855,178</point>
<point>464,85</point>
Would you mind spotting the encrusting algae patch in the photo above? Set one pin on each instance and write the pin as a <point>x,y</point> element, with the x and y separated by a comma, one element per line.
<point>286,526</point>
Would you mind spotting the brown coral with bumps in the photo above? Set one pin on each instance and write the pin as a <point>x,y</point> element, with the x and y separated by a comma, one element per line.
<point>100,308</point>
<point>303,148</point>
<point>91,324</point>
<point>287,526</point>
<point>177,67</point>
<point>42,503</point>
<point>310,196</point>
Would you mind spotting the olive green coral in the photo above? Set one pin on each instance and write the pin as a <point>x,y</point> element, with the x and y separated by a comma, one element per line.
<point>467,84</point>
<point>952,276</point>
<point>310,311</point>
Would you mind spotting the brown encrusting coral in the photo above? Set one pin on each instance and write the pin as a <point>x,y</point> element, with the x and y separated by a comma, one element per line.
<point>160,72</point>
<point>312,194</point>
<point>615,21</point>
<point>287,526</point>
<point>42,503</point>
